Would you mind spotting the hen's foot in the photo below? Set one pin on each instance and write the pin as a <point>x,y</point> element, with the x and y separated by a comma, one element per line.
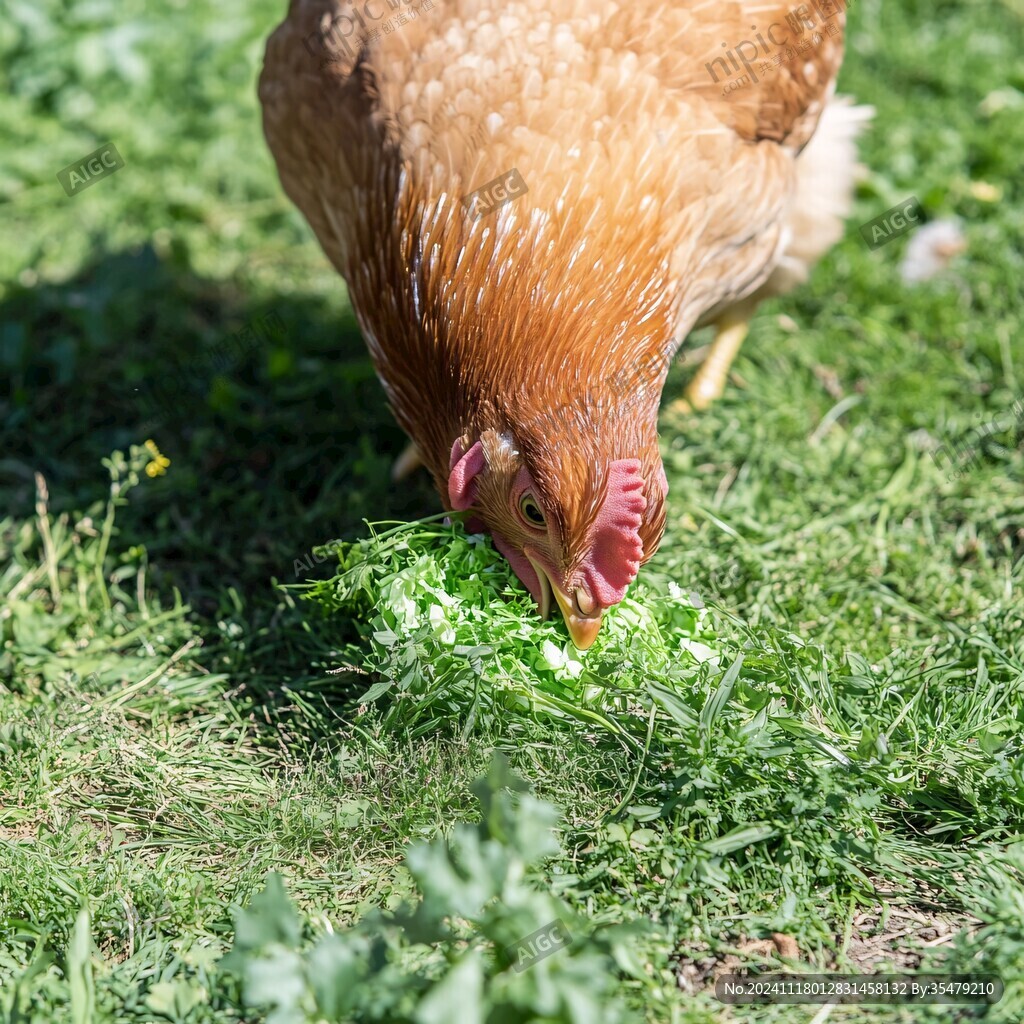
<point>709,382</point>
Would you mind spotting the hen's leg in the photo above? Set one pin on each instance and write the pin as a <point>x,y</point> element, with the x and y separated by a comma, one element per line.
<point>709,382</point>
<point>827,169</point>
<point>409,461</point>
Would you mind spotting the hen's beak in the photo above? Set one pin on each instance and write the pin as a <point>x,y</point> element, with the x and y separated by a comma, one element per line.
<point>581,615</point>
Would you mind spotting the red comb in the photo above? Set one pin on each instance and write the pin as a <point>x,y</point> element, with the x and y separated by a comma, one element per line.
<point>615,545</point>
<point>463,469</point>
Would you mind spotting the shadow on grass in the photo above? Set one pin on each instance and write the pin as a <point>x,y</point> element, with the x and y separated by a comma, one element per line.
<point>274,446</point>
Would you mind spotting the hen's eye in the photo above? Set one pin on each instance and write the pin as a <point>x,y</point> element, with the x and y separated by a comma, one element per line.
<point>531,510</point>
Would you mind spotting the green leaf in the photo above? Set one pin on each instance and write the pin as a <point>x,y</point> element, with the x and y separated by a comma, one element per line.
<point>991,742</point>
<point>269,918</point>
<point>739,839</point>
<point>336,967</point>
<point>644,812</point>
<point>277,980</point>
<point>642,838</point>
<point>460,884</point>
<point>79,970</point>
<point>671,703</point>
<point>377,690</point>
<point>713,708</point>
<point>457,997</point>
<point>175,999</point>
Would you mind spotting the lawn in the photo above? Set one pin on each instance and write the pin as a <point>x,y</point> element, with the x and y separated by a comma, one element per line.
<point>230,795</point>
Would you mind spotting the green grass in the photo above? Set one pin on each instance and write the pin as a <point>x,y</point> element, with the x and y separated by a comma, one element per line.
<point>174,728</point>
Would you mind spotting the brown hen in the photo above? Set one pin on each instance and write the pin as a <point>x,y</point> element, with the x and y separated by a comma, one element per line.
<point>657,169</point>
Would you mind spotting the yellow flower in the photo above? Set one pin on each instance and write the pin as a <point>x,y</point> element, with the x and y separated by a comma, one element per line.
<point>160,462</point>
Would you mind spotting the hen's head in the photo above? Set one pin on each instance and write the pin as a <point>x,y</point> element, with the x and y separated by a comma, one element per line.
<point>574,525</point>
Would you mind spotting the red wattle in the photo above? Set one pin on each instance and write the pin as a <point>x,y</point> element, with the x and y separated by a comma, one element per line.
<point>615,545</point>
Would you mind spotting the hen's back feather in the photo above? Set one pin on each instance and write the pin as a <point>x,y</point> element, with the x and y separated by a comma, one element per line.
<point>617,103</point>
<point>659,189</point>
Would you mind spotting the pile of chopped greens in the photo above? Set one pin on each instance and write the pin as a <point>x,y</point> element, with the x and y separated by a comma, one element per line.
<point>443,620</point>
